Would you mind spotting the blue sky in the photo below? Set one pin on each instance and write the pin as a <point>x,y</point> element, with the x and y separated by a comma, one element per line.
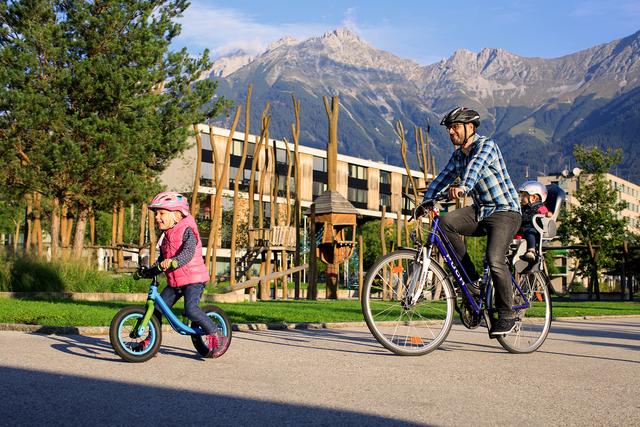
<point>425,31</point>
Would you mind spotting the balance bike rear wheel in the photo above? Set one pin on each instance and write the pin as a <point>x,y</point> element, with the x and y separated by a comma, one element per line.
<point>221,320</point>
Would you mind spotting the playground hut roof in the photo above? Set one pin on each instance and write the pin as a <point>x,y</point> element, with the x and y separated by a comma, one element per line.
<point>332,202</point>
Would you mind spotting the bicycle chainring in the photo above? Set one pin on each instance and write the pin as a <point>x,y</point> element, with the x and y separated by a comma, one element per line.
<point>469,318</point>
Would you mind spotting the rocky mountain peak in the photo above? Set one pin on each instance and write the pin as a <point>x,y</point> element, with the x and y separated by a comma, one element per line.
<point>343,35</point>
<point>285,41</point>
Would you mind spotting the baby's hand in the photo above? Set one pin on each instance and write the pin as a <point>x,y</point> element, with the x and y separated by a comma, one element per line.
<point>165,264</point>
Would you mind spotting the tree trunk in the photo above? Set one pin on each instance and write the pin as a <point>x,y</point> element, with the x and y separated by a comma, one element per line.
<point>120,240</point>
<point>27,242</point>
<point>37,223</point>
<point>152,239</point>
<point>81,226</point>
<point>16,236</point>
<point>143,222</point>
<point>63,224</point>
<point>92,227</point>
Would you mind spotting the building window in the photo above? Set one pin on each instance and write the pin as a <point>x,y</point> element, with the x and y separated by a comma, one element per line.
<point>319,164</point>
<point>385,177</point>
<point>357,172</point>
<point>281,155</point>
<point>204,137</point>
<point>357,195</point>
<point>319,188</point>
<point>236,147</point>
<point>385,200</point>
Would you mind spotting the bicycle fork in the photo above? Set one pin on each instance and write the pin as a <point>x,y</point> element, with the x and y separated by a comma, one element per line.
<point>418,279</point>
<point>143,324</point>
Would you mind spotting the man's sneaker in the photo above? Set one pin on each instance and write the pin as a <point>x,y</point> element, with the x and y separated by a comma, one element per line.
<point>529,256</point>
<point>217,344</point>
<point>502,326</point>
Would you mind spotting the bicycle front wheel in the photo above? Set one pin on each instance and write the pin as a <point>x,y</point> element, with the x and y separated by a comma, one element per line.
<point>533,323</point>
<point>407,329</point>
<point>124,340</point>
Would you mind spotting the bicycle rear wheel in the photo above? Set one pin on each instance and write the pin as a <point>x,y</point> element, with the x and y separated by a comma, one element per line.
<point>407,330</point>
<point>530,331</point>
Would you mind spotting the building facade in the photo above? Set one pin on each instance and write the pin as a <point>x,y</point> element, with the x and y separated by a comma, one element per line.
<point>368,185</point>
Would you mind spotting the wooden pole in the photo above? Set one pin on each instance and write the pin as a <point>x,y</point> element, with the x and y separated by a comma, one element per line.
<point>295,131</point>
<point>360,266</point>
<point>312,291</point>
<point>217,212</point>
<point>196,179</point>
<point>236,188</point>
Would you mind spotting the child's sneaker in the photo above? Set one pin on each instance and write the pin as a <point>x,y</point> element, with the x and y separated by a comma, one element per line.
<point>529,256</point>
<point>142,345</point>
<point>217,344</point>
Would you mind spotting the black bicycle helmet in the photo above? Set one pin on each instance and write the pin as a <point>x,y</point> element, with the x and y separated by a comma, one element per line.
<point>461,115</point>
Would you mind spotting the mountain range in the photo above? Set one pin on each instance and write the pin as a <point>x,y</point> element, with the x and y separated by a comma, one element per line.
<point>536,109</point>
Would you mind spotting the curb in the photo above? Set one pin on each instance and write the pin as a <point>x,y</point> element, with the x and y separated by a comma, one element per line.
<point>240,327</point>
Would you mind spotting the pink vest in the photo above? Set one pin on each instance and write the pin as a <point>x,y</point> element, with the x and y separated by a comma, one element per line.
<point>194,271</point>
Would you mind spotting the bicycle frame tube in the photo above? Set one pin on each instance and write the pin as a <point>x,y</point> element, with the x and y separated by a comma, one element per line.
<point>437,237</point>
<point>524,297</point>
<point>154,299</point>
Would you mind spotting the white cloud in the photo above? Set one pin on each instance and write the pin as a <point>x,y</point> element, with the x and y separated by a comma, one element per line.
<point>224,30</point>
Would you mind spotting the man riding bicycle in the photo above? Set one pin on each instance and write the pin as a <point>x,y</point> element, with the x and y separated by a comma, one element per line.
<point>478,163</point>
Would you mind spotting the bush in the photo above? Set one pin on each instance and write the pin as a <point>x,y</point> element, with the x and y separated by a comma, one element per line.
<point>27,274</point>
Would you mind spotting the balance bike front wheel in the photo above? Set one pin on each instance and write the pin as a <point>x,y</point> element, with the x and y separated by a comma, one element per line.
<point>126,344</point>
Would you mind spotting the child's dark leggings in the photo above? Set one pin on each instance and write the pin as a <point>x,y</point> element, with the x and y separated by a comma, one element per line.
<point>531,236</point>
<point>192,294</point>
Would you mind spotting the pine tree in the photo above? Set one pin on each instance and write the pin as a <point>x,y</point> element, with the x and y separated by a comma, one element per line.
<point>96,103</point>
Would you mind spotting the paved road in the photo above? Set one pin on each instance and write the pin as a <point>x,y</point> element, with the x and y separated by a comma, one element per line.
<point>587,373</point>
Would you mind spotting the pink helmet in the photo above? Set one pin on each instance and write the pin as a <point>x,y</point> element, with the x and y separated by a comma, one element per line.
<point>171,201</point>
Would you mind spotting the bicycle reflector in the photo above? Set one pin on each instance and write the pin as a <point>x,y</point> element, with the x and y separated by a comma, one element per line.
<point>416,340</point>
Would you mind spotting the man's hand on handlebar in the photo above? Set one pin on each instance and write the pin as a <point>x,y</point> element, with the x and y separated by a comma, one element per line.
<point>456,193</point>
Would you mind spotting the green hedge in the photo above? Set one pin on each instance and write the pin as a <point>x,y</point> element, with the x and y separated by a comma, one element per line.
<point>25,274</point>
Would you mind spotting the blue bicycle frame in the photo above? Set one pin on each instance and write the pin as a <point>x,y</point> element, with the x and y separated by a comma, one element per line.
<point>153,298</point>
<point>451,258</point>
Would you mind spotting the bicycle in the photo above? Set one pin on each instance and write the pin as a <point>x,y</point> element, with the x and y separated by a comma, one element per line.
<point>408,299</point>
<point>136,335</point>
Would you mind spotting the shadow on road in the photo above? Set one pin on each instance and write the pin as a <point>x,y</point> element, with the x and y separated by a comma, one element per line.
<point>100,349</point>
<point>70,400</point>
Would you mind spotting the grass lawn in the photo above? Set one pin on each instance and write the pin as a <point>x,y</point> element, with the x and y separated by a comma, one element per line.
<point>88,313</point>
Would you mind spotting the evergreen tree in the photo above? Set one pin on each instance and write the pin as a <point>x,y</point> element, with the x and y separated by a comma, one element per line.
<point>595,221</point>
<point>96,105</point>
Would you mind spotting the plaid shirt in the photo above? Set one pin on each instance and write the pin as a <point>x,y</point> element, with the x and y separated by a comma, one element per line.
<point>483,175</point>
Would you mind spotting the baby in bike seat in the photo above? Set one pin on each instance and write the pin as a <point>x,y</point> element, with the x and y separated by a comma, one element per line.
<point>540,209</point>
<point>533,194</point>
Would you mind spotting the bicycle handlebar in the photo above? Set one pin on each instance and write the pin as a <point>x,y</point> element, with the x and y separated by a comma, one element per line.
<point>144,272</point>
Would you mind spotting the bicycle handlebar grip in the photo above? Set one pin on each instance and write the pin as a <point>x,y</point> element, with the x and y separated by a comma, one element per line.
<point>141,273</point>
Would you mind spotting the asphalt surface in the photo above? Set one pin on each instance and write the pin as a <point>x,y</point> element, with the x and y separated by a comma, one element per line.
<point>587,373</point>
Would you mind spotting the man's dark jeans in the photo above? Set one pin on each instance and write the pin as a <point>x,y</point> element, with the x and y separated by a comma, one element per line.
<point>500,227</point>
